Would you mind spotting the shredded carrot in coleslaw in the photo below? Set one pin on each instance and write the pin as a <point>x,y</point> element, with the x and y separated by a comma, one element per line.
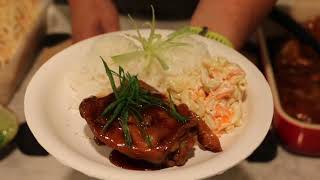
<point>222,113</point>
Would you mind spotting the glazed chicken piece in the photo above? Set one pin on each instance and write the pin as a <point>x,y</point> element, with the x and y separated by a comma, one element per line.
<point>172,142</point>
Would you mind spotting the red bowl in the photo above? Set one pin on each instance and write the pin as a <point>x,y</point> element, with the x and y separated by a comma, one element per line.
<point>296,136</point>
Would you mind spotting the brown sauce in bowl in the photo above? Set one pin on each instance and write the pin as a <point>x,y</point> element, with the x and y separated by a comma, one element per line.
<point>297,72</point>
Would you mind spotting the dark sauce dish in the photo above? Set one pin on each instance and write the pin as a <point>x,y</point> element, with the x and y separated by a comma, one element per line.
<point>293,72</point>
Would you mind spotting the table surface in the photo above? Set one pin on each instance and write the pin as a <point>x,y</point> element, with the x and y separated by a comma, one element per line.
<point>19,166</point>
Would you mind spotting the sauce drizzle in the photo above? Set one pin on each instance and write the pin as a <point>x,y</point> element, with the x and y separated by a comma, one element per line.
<point>126,162</point>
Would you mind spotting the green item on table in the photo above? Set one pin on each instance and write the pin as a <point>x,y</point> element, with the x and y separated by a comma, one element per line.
<point>8,126</point>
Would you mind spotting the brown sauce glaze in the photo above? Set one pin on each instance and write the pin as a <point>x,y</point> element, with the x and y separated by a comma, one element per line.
<point>123,161</point>
<point>170,142</point>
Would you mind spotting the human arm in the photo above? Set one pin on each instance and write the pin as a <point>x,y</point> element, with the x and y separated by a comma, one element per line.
<point>234,19</point>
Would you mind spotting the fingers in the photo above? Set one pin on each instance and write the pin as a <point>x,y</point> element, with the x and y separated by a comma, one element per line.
<point>85,29</point>
<point>85,19</point>
<point>109,17</point>
<point>91,18</point>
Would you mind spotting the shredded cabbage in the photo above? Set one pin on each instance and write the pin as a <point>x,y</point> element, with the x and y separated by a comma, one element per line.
<point>152,47</point>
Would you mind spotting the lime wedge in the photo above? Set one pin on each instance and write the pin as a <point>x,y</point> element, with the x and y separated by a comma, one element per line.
<point>8,126</point>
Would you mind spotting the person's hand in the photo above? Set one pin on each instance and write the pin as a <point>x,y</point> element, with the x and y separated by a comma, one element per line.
<point>92,17</point>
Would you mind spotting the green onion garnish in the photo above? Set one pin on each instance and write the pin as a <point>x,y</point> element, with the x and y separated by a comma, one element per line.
<point>130,99</point>
<point>153,46</point>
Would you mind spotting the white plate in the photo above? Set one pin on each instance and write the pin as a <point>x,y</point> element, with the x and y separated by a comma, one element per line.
<point>65,135</point>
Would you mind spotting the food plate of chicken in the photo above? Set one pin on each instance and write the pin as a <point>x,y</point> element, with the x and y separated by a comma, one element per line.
<point>156,134</point>
<point>154,104</point>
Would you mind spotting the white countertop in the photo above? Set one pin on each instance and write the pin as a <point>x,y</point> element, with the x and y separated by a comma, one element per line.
<point>18,166</point>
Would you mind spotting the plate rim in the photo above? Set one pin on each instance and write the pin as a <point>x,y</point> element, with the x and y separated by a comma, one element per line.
<point>203,169</point>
